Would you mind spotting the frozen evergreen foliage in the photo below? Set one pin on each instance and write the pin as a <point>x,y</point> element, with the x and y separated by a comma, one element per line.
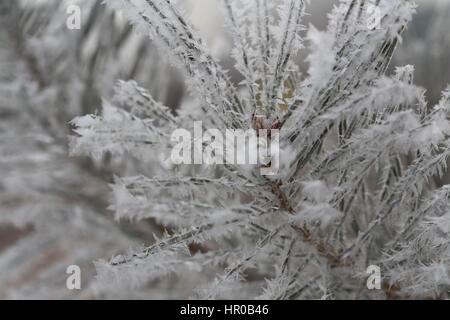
<point>360,159</point>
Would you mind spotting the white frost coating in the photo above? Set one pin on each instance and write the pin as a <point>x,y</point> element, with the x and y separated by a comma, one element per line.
<point>321,60</point>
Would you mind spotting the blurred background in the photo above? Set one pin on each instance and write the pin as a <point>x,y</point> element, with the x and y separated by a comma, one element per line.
<point>53,207</point>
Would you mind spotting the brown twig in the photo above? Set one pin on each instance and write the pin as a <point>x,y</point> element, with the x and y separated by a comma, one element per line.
<point>335,259</point>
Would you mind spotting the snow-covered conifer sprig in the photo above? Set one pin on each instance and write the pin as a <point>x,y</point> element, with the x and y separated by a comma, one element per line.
<point>362,155</point>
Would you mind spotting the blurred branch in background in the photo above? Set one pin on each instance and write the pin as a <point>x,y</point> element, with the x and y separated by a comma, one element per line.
<point>53,209</point>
